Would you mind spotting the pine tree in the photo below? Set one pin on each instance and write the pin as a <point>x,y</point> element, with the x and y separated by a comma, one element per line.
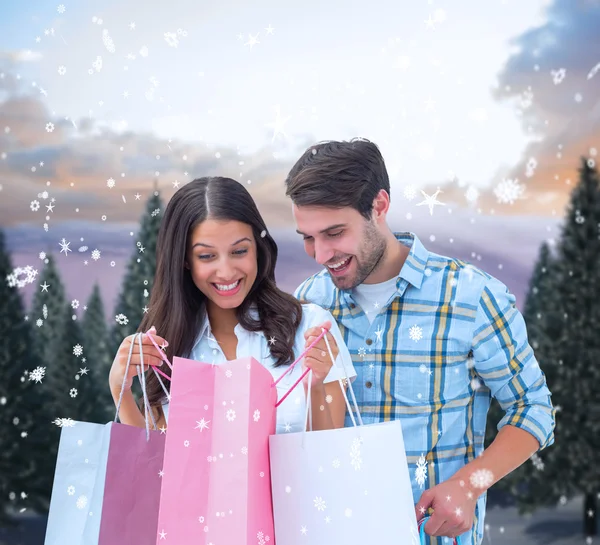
<point>570,353</point>
<point>139,277</point>
<point>24,469</point>
<point>540,317</point>
<point>72,387</point>
<point>47,314</point>
<point>97,354</point>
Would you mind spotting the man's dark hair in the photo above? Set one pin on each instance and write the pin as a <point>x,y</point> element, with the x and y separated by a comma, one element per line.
<point>339,174</point>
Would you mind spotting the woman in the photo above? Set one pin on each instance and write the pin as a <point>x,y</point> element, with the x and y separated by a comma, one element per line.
<point>214,298</point>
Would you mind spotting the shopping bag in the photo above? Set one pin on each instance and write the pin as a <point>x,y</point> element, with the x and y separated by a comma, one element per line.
<point>216,487</point>
<point>348,485</point>
<point>106,484</point>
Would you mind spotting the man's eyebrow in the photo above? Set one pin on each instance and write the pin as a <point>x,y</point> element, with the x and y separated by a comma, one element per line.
<point>331,227</point>
<point>209,246</point>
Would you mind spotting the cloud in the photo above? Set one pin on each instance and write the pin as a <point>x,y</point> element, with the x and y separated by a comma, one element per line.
<point>73,161</point>
<point>20,56</point>
<point>551,82</point>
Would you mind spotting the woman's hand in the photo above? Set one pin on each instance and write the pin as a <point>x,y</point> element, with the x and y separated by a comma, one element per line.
<point>317,358</point>
<point>152,357</point>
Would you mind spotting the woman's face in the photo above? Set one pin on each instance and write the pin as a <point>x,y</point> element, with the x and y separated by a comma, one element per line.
<point>222,260</point>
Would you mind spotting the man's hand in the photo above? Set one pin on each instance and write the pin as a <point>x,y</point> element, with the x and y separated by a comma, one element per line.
<point>453,504</point>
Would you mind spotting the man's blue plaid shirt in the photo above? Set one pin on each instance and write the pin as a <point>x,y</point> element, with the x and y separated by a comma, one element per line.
<point>448,339</point>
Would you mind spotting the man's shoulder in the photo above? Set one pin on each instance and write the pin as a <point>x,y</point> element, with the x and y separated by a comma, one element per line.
<point>317,289</point>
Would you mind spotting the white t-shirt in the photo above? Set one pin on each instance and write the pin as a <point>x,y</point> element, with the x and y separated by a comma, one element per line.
<point>373,297</point>
<point>292,412</point>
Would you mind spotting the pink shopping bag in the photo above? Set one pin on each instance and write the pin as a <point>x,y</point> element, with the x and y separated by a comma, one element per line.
<point>216,486</point>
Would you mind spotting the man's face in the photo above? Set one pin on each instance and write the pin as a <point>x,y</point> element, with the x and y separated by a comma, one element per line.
<point>348,245</point>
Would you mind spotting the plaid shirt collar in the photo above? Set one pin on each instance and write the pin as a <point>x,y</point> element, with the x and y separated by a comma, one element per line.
<point>412,272</point>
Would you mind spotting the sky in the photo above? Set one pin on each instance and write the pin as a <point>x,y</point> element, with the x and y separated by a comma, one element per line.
<point>493,103</point>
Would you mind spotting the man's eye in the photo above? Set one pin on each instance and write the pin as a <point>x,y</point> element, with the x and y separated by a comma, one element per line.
<point>336,234</point>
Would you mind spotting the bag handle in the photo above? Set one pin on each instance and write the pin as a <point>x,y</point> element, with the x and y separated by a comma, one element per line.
<point>292,365</point>
<point>421,525</point>
<point>142,378</point>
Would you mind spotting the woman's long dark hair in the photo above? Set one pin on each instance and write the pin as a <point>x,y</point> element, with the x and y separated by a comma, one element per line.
<point>177,306</point>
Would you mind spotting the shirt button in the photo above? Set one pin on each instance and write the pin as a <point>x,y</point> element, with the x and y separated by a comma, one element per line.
<point>352,305</point>
<point>368,384</point>
<point>369,342</point>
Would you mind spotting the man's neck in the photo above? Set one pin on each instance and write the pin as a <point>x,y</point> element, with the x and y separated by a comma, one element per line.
<point>393,260</point>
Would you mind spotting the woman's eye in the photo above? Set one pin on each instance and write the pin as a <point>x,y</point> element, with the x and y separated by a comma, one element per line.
<point>240,252</point>
<point>204,256</point>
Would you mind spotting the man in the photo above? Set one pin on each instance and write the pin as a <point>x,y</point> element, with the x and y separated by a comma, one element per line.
<point>431,338</point>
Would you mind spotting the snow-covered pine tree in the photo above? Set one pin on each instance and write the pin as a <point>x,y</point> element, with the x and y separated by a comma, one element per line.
<point>540,317</point>
<point>24,468</point>
<point>97,354</point>
<point>47,314</point>
<point>570,360</point>
<point>139,277</point>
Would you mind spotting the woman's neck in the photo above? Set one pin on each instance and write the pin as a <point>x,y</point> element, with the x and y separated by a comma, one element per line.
<point>222,320</point>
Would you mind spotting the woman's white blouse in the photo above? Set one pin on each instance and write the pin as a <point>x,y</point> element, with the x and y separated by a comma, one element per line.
<point>291,413</point>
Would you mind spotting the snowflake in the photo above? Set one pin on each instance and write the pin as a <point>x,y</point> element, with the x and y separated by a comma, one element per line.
<point>228,373</point>
<point>508,191</point>
<point>421,471</point>
<point>472,194</point>
<point>230,415</point>
<point>558,75</point>
<point>81,502</point>
<point>49,127</point>
<point>155,212</point>
<point>171,39</point>
<point>244,450</point>
<point>423,368</point>
<point>96,255</point>
<point>64,247</point>
<point>362,351</point>
<point>482,478</point>
<point>256,415</point>
<point>186,443</point>
<point>61,8</point>
<point>35,206</point>
<point>336,463</point>
<point>37,374</point>
<point>320,504</point>
<point>14,279</point>
<point>110,183</point>
<point>71,490</point>
<point>121,319</point>
<point>107,41</point>
<point>526,99</point>
<point>39,322</point>
<point>202,424</point>
<point>262,538</point>
<point>328,398</point>
<point>64,422</point>
<point>410,193</point>
<point>73,392</point>
<point>415,333</point>
<point>356,459</point>
<point>537,462</point>
<point>78,350</point>
<point>42,256</point>
<point>62,70</point>
<point>45,311</point>
<point>74,303</point>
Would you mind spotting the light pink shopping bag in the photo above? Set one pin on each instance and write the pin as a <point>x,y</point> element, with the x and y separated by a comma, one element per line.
<point>216,485</point>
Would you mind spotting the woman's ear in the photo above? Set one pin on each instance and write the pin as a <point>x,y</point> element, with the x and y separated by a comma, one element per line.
<point>186,265</point>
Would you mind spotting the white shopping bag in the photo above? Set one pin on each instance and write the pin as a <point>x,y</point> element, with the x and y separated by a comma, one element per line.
<point>348,485</point>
